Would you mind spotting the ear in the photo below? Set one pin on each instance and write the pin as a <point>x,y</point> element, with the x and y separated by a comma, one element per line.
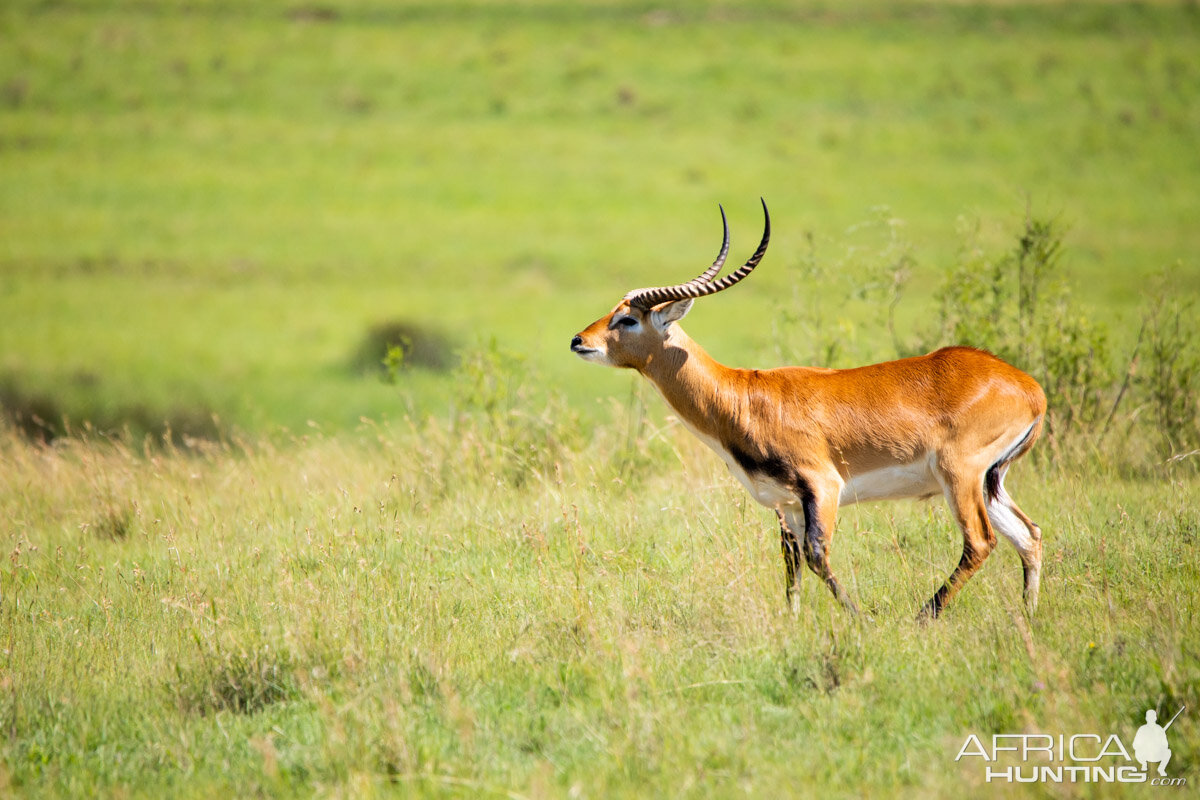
<point>667,313</point>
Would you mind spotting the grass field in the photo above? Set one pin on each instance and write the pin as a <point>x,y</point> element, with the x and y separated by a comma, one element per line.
<point>249,564</point>
<point>333,616</point>
<point>221,200</point>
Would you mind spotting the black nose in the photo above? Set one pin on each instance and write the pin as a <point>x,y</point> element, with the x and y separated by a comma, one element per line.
<point>577,341</point>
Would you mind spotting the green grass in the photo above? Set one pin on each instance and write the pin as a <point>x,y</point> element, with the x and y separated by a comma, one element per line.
<point>334,617</point>
<point>517,576</point>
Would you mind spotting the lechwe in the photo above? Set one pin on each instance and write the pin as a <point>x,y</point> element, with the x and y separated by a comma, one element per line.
<point>805,441</point>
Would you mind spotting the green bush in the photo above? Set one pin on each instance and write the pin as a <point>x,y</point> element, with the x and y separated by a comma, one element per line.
<point>1170,382</point>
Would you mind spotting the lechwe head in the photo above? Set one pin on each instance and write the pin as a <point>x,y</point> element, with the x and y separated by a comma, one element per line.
<point>804,441</point>
<point>635,331</point>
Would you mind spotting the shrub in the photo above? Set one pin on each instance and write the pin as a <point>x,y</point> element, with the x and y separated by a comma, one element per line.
<point>1170,382</point>
<point>41,417</point>
<point>35,415</point>
<point>391,347</point>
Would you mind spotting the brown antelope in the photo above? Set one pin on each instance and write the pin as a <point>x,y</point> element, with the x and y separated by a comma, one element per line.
<point>806,440</point>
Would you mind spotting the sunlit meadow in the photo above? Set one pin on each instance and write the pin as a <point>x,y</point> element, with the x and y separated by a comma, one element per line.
<point>302,494</point>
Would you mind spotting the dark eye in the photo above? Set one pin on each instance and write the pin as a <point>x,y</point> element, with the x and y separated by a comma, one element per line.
<point>627,322</point>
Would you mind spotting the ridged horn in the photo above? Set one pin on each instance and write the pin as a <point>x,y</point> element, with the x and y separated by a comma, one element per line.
<point>703,285</point>
<point>711,272</point>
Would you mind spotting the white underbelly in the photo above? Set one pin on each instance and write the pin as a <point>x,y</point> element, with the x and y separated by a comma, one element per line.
<point>892,483</point>
<point>887,483</point>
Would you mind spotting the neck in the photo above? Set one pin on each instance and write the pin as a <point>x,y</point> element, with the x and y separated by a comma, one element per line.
<point>691,381</point>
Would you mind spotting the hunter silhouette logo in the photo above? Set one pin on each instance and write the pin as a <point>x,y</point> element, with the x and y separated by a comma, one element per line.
<point>1150,742</point>
<point>1076,757</point>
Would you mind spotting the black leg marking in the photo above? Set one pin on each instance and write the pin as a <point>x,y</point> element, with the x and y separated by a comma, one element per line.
<point>790,545</point>
<point>814,545</point>
<point>771,465</point>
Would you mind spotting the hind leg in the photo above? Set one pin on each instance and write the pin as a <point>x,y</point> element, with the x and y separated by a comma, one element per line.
<point>1011,522</point>
<point>966,500</point>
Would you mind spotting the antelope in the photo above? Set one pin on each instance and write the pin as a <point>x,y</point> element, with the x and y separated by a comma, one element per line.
<point>806,440</point>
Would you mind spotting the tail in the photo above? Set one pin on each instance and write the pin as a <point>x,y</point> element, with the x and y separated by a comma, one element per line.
<point>993,479</point>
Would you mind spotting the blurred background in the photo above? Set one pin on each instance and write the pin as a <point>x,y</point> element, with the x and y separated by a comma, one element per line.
<point>286,214</point>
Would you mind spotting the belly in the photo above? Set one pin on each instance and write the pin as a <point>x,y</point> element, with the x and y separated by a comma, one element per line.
<point>891,483</point>
<point>887,483</point>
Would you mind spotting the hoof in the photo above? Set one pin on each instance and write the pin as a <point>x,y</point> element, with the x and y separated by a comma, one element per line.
<point>929,612</point>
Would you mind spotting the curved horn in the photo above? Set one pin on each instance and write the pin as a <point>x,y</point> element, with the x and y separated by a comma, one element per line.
<point>650,297</point>
<point>711,272</point>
